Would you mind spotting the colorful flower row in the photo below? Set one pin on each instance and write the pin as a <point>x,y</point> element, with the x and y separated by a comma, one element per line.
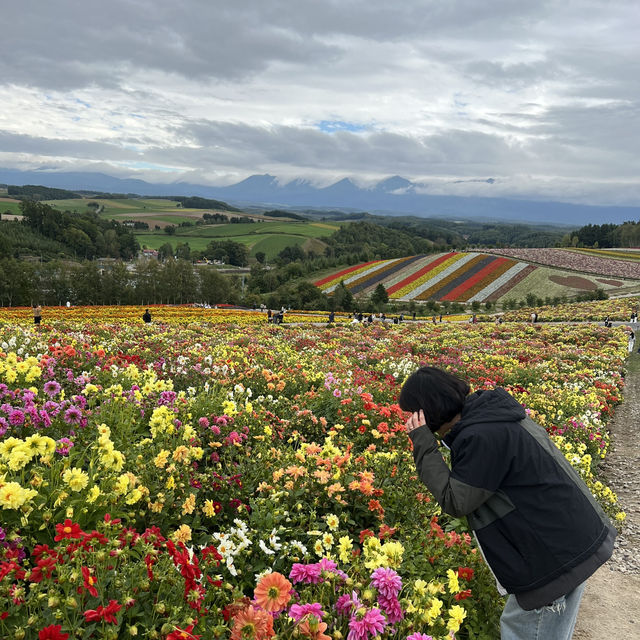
<point>228,480</point>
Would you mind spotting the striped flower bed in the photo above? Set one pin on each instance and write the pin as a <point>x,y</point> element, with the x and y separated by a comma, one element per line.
<point>415,280</point>
<point>325,282</point>
<point>449,277</point>
<point>455,276</point>
<point>484,294</point>
<point>443,272</point>
<point>371,280</point>
<point>405,273</point>
<point>493,267</point>
<point>353,275</point>
<point>507,286</point>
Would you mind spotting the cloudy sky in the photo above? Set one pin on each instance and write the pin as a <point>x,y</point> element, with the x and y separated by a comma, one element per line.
<point>543,96</point>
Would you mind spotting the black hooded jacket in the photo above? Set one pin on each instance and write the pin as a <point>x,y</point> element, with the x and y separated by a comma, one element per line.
<point>540,529</point>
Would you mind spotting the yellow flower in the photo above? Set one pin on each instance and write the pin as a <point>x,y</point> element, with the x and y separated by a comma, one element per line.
<point>189,504</point>
<point>76,478</point>
<point>13,495</point>
<point>333,522</point>
<point>345,545</point>
<point>181,454</point>
<point>171,483</point>
<point>454,585</point>
<point>134,496</point>
<point>209,509</point>
<point>456,615</point>
<point>182,533</point>
<point>19,457</point>
<point>161,459</point>
<point>93,494</point>
<point>122,484</point>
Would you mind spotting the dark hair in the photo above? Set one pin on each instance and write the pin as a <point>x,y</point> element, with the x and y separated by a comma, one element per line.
<point>438,393</point>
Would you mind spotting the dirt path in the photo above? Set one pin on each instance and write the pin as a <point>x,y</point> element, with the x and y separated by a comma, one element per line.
<point>611,605</point>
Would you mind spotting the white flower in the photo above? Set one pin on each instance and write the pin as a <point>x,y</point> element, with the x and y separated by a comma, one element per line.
<point>263,546</point>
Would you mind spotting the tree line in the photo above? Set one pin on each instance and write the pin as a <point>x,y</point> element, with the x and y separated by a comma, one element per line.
<point>92,282</point>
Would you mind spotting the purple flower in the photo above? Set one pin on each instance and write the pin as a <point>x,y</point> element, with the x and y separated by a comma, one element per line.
<point>419,636</point>
<point>299,611</point>
<point>4,426</point>
<point>16,417</point>
<point>72,415</point>
<point>387,582</point>
<point>361,625</point>
<point>203,422</point>
<point>308,573</point>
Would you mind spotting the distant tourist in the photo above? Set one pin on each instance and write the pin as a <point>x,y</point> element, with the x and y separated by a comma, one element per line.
<point>146,316</point>
<point>37,314</point>
<point>332,316</point>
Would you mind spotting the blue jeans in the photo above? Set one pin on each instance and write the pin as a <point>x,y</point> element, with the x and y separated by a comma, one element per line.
<point>556,621</point>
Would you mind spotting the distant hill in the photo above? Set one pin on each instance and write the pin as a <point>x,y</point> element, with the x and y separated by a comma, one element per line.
<point>394,195</point>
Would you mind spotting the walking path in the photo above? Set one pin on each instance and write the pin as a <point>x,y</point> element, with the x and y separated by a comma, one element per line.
<point>611,604</point>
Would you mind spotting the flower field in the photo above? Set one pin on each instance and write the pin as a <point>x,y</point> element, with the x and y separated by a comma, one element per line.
<point>481,277</point>
<point>240,480</point>
<point>621,264</point>
<point>618,310</point>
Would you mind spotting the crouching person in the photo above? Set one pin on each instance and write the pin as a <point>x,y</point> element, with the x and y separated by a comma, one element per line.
<point>539,528</point>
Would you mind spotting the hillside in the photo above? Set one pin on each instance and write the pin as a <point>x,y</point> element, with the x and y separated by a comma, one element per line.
<point>467,277</point>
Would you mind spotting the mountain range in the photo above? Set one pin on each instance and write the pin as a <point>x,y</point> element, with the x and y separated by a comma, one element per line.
<point>394,195</point>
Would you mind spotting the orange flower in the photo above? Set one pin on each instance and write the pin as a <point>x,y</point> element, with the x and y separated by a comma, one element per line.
<point>273,592</point>
<point>252,624</point>
<point>311,627</point>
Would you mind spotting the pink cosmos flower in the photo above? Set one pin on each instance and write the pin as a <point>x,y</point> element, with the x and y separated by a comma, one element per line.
<point>419,636</point>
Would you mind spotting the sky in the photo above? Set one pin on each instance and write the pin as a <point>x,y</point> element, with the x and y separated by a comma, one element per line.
<point>542,96</point>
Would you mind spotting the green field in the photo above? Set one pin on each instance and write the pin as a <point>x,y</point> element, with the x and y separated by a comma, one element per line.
<point>270,244</point>
<point>12,207</point>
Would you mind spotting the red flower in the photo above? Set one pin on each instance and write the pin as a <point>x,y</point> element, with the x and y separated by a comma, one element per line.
<point>44,569</point>
<point>465,573</point>
<point>365,533</point>
<point>52,632</point>
<point>103,613</point>
<point>89,581</point>
<point>68,530</point>
<point>183,634</point>
<point>462,595</point>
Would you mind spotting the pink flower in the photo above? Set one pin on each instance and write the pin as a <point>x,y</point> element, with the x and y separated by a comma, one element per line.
<point>419,636</point>
<point>299,611</point>
<point>337,393</point>
<point>308,573</point>
<point>392,607</point>
<point>361,625</point>
<point>387,582</point>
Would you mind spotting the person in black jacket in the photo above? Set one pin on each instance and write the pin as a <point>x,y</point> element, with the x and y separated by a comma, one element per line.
<point>539,528</point>
<point>146,316</point>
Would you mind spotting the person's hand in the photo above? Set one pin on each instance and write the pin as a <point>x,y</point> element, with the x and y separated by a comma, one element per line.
<point>416,420</point>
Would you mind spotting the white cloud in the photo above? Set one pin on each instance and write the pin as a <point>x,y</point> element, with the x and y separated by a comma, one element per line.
<point>542,96</point>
